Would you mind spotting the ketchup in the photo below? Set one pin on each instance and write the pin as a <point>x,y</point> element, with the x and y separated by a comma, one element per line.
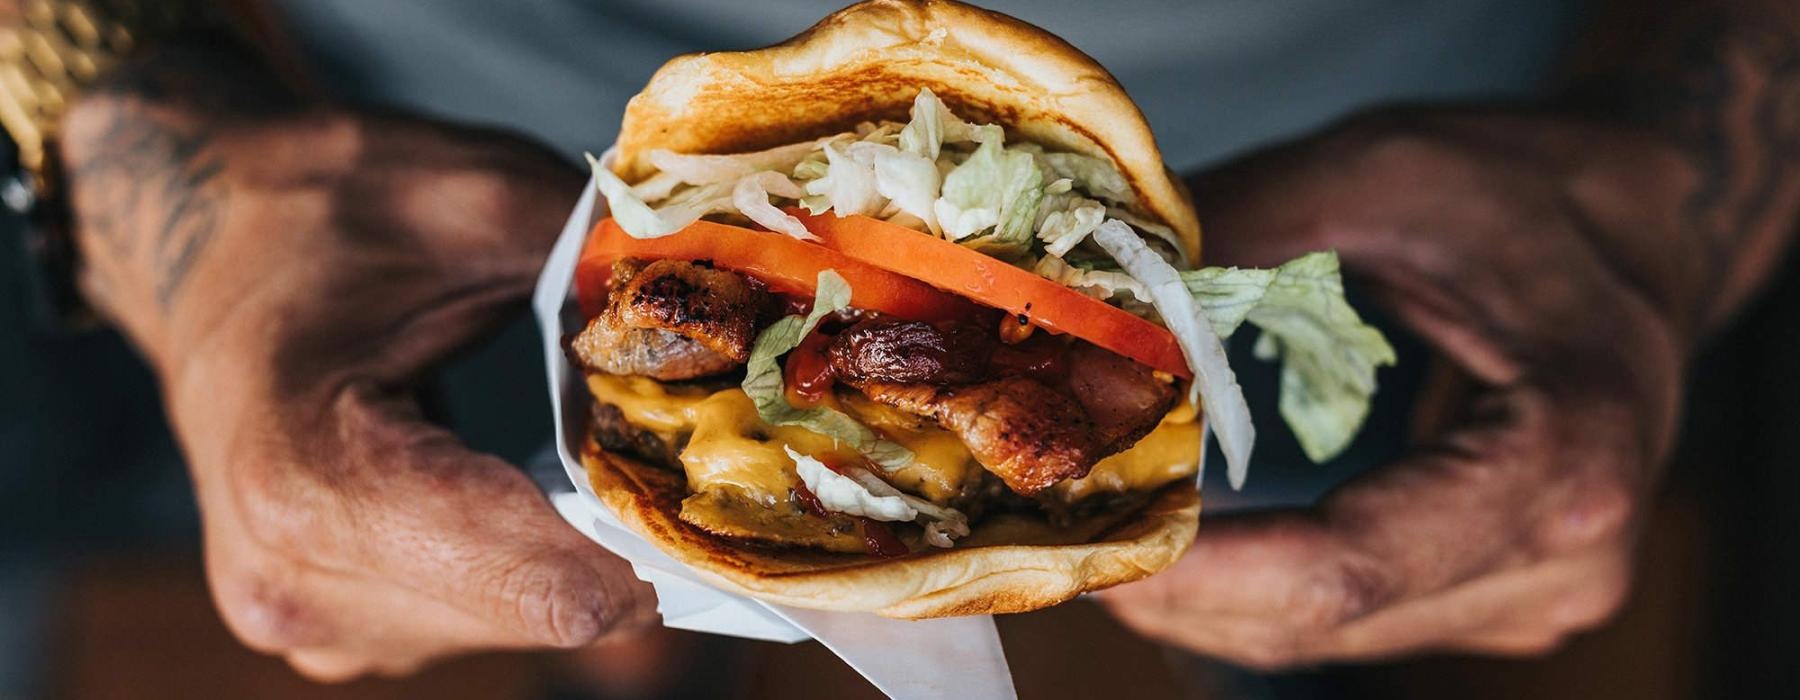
<point>807,373</point>
<point>881,540</point>
<point>1039,357</point>
<point>804,496</point>
<point>796,305</point>
<point>878,538</point>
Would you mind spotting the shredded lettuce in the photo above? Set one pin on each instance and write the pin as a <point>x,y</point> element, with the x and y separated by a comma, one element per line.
<point>751,197</point>
<point>1227,414</point>
<point>710,168</point>
<point>1096,175</point>
<point>762,380</point>
<point>1227,294</point>
<point>641,221</point>
<point>994,188</point>
<point>849,185</point>
<point>1069,224</point>
<point>1328,355</point>
<point>859,492</point>
<point>910,181</point>
<point>1099,284</point>
<point>932,125</point>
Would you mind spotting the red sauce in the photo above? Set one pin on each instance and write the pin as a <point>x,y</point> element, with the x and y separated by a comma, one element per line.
<point>1039,357</point>
<point>795,305</point>
<point>881,541</point>
<point>807,374</point>
<point>804,496</point>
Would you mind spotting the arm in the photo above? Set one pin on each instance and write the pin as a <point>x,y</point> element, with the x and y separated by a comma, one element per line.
<point>1563,262</point>
<point>290,269</point>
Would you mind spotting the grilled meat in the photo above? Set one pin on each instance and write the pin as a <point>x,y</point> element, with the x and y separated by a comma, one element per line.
<point>891,350</point>
<point>1029,426</point>
<point>1125,399</point>
<point>616,434</point>
<point>671,320</point>
<point>1029,435</point>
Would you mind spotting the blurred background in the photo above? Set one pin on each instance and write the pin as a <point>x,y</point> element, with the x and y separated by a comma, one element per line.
<point>101,588</point>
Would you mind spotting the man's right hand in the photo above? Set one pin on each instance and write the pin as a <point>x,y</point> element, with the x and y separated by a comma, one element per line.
<point>290,272</point>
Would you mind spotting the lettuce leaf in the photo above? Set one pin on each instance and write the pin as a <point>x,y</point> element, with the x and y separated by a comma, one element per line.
<point>1096,175</point>
<point>639,220</point>
<point>995,188</point>
<point>1227,414</point>
<point>706,169</point>
<point>751,197</point>
<point>1328,354</point>
<point>762,380</point>
<point>910,181</point>
<point>1070,223</point>
<point>848,185</point>
<point>932,125</point>
<point>1099,284</point>
<point>861,493</point>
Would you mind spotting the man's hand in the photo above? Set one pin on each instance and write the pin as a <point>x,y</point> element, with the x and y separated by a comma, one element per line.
<point>291,272</point>
<point>1562,269</point>
<point>1510,525</point>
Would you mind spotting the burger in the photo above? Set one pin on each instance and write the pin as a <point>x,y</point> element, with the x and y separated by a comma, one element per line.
<point>903,315</point>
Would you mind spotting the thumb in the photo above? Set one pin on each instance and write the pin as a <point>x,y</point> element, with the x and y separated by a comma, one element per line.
<point>473,532</point>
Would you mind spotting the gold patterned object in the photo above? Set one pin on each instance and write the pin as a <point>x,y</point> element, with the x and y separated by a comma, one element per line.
<point>57,47</point>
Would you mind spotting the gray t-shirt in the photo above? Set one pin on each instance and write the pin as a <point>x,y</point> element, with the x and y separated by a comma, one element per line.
<point>1214,76</point>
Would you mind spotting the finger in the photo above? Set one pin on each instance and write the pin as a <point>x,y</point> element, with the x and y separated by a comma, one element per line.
<point>384,536</point>
<point>473,532</point>
<point>1500,494</point>
<point>1413,527</point>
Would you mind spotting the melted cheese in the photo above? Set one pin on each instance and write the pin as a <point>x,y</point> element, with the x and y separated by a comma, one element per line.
<point>1168,453</point>
<point>730,448</point>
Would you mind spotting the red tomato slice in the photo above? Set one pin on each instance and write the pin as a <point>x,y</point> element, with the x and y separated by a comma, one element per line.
<point>993,282</point>
<point>787,265</point>
<point>891,269</point>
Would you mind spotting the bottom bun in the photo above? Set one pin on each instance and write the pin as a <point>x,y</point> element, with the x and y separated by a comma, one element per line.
<point>1009,564</point>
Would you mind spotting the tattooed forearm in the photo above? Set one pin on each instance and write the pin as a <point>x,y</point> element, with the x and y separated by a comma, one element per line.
<point>1723,83</point>
<point>150,194</point>
<point>147,187</point>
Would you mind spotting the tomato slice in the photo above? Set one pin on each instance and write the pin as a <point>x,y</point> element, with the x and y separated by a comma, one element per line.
<point>993,282</point>
<point>891,269</point>
<point>787,265</point>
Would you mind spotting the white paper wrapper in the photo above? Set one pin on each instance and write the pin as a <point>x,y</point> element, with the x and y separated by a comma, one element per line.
<point>950,657</point>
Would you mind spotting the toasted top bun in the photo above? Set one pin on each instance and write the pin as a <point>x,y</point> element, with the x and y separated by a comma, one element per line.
<point>1007,564</point>
<point>868,61</point>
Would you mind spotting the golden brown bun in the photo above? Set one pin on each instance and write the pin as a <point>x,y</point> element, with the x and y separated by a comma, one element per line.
<point>1006,565</point>
<point>868,61</point>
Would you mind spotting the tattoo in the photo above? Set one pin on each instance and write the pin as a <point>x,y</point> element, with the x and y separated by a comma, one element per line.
<point>1730,96</point>
<point>154,183</point>
<point>1741,131</point>
<point>150,188</point>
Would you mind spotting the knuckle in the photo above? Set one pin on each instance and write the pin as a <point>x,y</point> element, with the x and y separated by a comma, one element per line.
<point>266,609</point>
<point>1341,592</point>
<point>1596,516</point>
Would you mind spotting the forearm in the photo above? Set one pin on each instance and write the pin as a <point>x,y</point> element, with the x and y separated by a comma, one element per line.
<point>1718,84</point>
<point>144,179</point>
